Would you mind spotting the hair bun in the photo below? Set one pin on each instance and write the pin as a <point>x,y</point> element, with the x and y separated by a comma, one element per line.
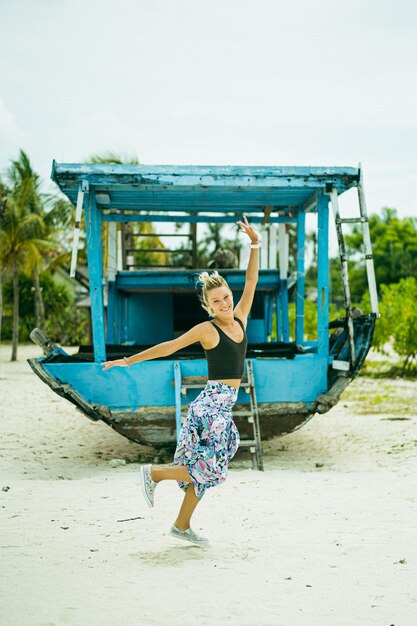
<point>206,279</point>
<point>206,282</point>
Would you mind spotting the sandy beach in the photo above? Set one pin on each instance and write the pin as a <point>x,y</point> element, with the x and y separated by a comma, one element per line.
<point>326,535</point>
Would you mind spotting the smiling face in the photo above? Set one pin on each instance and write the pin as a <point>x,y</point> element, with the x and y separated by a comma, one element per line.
<point>220,301</point>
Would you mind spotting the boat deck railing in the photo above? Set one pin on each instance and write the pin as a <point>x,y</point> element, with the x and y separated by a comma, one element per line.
<point>272,350</point>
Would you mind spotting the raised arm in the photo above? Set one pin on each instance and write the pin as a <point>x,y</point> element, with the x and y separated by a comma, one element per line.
<point>195,334</point>
<point>244,305</point>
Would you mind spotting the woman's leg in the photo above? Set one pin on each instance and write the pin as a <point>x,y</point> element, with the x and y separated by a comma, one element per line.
<point>187,509</point>
<point>176,472</point>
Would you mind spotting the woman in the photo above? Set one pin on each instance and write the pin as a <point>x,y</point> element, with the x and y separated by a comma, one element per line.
<point>208,438</point>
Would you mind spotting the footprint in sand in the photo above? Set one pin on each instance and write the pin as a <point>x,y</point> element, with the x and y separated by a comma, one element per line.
<point>172,556</point>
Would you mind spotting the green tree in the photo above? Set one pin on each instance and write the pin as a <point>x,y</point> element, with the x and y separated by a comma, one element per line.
<point>65,323</point>
<point>24,189</point>
<point>394,248</point>
<point>23,186</point>
<point>21,245</point>
<point>398,319</point>
<point>3,205</point>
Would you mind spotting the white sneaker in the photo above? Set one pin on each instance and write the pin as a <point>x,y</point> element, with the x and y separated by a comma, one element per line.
<point>188,535</point>
<point>148,485</point>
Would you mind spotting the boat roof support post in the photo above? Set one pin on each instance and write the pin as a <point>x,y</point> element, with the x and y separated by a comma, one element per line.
<point>283,242</point>
<point>111,278</point>
<point>323,276</point>
<point>112,251</point>
<point>273,238</point>
<point>82,189</point>
<point>264,239</point>
<point>299,303</point>
<point>95,270</point>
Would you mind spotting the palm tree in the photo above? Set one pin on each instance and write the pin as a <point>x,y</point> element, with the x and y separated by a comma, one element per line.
<point>24,189</point>
<point>2,213</point>
<point>113,157</point>
<point>20,250</point>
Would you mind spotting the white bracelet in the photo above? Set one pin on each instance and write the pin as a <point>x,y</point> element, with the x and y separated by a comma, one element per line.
<point>255,245</point>
<point>126,361</point>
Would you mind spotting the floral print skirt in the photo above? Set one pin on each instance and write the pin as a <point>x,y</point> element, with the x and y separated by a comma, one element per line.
<point>208,438</point>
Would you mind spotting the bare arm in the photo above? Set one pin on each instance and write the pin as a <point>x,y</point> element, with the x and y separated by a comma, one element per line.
<point>195,334</point>
<point>244,305</point>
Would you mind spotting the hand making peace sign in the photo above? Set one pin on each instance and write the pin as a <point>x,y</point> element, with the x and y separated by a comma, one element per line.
<point>247,228</point>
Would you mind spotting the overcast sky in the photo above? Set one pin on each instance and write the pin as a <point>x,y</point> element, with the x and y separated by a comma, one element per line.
<point>260,82</point>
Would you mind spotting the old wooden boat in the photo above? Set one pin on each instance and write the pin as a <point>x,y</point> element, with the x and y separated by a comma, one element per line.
<point>294,378</point>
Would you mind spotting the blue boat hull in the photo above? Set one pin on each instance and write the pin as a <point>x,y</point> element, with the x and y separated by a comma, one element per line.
<point>139,402</point>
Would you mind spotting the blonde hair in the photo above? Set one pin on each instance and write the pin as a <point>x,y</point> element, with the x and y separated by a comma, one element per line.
<point>208,282</point>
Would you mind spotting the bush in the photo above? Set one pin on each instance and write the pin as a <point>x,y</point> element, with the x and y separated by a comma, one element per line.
<point>398,320</point>
<point>70,327</point>
<point>65,323</point>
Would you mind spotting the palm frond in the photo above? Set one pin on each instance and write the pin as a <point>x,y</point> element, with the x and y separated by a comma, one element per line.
<point>113,157</point>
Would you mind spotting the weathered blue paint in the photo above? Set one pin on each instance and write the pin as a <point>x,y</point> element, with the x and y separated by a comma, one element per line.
<point>197,188</point>
<point>107,174</point>
<point>152,383</point>
<point>256,331</point>
<point>145,303</point>
<point>323,275</point>
<point>300,292</point>
<point>269,304</point>
<point>124,387</point>
<point>186,279</point>
<point>84,170</point>
<point>95,269</point>
<point>149,318</point>
<point>296,380</point>
<point>194,219</point>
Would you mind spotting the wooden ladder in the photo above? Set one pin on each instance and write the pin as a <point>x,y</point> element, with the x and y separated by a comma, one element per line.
<point>363,220</point>
<point>254,444</point>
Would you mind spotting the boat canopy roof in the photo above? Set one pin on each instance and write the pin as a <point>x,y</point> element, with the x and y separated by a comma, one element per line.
<point>195,188</point>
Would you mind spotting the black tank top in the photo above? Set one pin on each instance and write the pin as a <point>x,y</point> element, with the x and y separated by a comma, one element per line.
<point>226,360</point>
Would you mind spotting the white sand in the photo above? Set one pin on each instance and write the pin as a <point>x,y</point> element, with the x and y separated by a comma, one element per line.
<point>296,545</point>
